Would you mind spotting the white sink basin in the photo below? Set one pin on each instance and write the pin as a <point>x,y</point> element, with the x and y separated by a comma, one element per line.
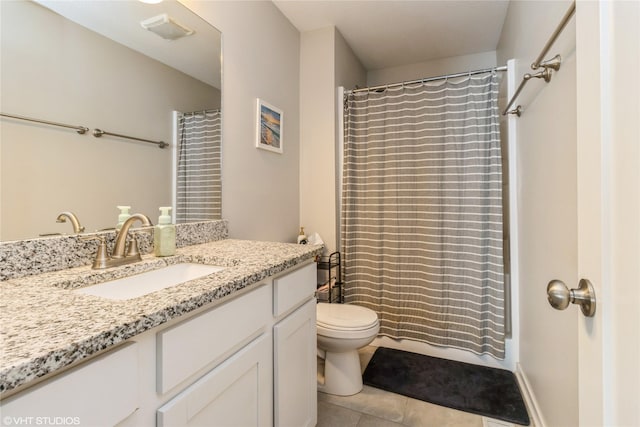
<point>150,281</point>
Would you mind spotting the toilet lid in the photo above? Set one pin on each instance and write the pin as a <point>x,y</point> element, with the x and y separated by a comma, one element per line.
<point>345,316</point>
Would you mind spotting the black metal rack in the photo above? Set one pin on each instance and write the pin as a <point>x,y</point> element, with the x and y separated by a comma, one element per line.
<point>329,284</point>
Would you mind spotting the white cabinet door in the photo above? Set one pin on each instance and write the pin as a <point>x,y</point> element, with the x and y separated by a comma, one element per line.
<point>237,393</point>
<point>295,384</point>
<point>100,392</point>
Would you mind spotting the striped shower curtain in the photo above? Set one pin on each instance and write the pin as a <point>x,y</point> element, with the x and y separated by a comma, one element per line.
<point>422,211</point>
<point>199,186</point>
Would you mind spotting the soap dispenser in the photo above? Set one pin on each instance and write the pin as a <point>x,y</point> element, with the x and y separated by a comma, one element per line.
<point>302,238</point>
<point>164,234</point>
<point>124,214</point>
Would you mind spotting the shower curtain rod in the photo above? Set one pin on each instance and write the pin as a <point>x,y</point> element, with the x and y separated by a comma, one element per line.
<point>201,112</point>
<point>429,79</point>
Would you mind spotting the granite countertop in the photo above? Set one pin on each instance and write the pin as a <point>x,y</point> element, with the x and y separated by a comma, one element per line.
<point>46,326</point>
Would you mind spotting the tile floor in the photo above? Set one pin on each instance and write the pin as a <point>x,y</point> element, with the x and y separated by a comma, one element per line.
<point>377,408</point>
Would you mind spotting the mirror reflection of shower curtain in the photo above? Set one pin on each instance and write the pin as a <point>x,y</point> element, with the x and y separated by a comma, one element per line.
<point>421,224</point>
<point>198,179</point>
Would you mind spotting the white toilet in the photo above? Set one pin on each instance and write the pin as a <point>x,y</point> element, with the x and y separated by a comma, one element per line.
<point>342,330</point>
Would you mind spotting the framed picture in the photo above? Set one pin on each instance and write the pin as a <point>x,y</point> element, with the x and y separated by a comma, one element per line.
<point>269,127</point>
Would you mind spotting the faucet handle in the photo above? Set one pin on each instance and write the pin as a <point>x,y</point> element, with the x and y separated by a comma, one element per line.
<point>102,255</point>
<point>132,247</point>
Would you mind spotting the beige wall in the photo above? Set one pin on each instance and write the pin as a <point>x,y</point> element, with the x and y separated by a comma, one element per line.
<point>326,62</point>
<point>437,67</point>
<point>261,59</point>
<point>56,70</point>
<point>547,206</point>
<point>317,111</point>
<point>349,71</point>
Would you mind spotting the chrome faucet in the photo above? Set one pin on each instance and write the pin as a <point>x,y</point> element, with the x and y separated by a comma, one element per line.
<point>122,253</point>
<point>77,228</point>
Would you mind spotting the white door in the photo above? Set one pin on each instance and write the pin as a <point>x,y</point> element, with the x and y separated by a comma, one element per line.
<point>608,120</point>
<point>543,187</point>
<point>581,216</point>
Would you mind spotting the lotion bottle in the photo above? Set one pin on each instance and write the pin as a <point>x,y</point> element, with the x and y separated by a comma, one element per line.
<point>164,234</point>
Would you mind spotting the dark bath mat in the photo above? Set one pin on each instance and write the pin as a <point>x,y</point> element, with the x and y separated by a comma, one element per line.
<point>477,389</point>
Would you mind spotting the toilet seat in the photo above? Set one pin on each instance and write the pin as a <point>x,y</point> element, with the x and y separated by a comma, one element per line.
<point>345,321</point>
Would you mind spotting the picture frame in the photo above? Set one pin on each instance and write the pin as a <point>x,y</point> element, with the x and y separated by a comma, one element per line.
<point>269,127</point>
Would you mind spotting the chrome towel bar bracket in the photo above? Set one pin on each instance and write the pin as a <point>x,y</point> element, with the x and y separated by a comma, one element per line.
<point>563,23</point>
<point>553,63</point>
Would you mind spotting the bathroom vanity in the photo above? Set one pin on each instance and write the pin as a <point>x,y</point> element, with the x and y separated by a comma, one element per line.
<point>236,347</point>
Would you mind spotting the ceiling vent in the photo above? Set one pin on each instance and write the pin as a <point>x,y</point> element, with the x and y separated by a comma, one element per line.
<point>166,27</point>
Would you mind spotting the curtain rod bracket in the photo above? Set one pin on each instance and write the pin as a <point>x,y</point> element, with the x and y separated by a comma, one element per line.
<point>517,111</point>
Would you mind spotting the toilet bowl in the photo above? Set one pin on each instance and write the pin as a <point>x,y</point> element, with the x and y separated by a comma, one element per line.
<point>341,330</point>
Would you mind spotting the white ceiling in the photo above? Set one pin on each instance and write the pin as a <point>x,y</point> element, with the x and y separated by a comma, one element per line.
<point>382,33</point>
<point>197,55</point>
<point>387,33</point>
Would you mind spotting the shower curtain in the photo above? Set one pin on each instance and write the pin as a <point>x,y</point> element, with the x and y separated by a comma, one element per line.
<point>422,212</point>
<point>198,183</point>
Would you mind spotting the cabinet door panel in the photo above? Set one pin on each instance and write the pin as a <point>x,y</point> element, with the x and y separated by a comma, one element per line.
<point>295,371</point>
<point>236,393</point>
<point>101,392</point>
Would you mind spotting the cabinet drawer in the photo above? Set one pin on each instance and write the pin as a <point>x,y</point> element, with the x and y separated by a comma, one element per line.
<point>292,289</point>
<point>188,347</point>
<point>101,392</point>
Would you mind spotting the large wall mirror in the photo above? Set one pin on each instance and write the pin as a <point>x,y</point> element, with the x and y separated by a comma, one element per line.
<point>92,64</point>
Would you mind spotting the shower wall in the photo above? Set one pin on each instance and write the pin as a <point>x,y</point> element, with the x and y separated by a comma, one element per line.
<point>436,67</point>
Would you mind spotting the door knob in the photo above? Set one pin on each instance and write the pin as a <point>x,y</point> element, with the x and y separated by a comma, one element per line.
<point>560,296</point>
